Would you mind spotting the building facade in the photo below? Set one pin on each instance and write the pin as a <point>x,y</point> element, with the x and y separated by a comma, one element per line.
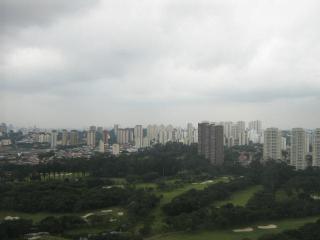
<point>298,150</point>
<point>74,138</point>
<point>53,140</point>
<point>210,142</point>
<point>316,148</point>
<point>272,144</point>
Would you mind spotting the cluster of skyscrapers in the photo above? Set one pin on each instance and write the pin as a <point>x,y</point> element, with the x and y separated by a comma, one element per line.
<point>144,137</point>
<point>301,146</point>
<point>304,147</point>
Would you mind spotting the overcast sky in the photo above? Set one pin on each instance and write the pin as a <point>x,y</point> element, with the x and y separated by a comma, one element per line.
<point>74,63</point>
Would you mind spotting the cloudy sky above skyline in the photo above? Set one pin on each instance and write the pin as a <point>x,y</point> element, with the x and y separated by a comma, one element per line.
<point>98,62</point>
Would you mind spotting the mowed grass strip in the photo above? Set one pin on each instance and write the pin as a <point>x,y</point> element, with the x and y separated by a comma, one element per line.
<point>230,235</point>
<point>167,196</point>
<point>240,198</point>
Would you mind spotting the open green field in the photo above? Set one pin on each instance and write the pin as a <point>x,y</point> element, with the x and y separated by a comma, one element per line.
<point>146,185</point>
<point>167,196</point>
<point>229,235</point>
<point>240,198</point>
<point>51,238</point>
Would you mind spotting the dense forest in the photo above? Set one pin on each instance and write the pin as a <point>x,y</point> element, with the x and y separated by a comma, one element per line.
<point>157,171</point>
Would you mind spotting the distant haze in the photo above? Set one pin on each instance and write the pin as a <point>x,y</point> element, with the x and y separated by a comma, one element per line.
<point>74,63</point>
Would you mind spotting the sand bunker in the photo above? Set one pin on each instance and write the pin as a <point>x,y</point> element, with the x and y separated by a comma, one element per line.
<point>9,218</point>
<point>206,182</point>
<point>248,229</point>
<point>87,215</point>
<point>270,226</point>
<point>107,211</point>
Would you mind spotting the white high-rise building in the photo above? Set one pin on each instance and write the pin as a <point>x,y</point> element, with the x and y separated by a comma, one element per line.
<point>253,136</point>
<point>243,138</point>
<point>283,143</point>
<point>116,149</point>
<point>190,134</point>
<point>256,125</point>
<point>227,129</point>
<point>152,133</point>
<point>44,137</point>
<point>91,138</point>
<point>138,136</point>
<point>146,142</point>
<point>169,130</point>
<point>316,148</point>
<point>53,140</point>
<point>298,149</point>
<point>163,137</point>
<point>195,135</point>
<point>272,144</point>
<point>241,126</point>
<point>101,148</point>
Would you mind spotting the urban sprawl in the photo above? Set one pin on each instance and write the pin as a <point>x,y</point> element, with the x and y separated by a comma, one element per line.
<point>298,147</point>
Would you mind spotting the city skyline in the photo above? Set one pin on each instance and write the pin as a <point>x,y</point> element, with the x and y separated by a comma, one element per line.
<point>67,63</point>
<point>145,126</point>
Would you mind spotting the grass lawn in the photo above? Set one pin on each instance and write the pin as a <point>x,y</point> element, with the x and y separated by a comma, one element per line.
<point>86,230</point>
<point>146,185</point>
<point>51,238</point>
<point>167,196</point>
<point>119,181</point>
<point>240,198</point>
<point>229,235</point>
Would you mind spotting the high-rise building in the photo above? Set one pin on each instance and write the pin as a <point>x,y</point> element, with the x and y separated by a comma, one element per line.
<point>210,142</point>
<point>298,149</point>
<point>3,128</point>
<point>256,125</point>
<point>190,133</point>
<point>101,148</point>
<point>316,148</point>
<point>105,136</point>
<point>243,138</point>
<point>53,140</point>
<point>138,136</point>
<point>146,142</point>
<point>116,149</point>
<point>162,136</point>
<point>100,129</point>
<point>74,138</point>
<point>115,129</point>
<point>43,137</point>
<point>125,136</point>
<point>169,130</point>
<point>283,143</point>
<point>272,144</point>
<point>64,141</point>
<point>91,138</point>
<point>152,133</point>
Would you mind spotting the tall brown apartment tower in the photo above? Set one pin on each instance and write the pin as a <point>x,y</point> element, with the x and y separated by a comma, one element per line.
<point>210,142</point>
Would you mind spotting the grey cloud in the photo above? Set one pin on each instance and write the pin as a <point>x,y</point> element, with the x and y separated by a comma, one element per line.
<point>152,57</point>
<point>17,13</point>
